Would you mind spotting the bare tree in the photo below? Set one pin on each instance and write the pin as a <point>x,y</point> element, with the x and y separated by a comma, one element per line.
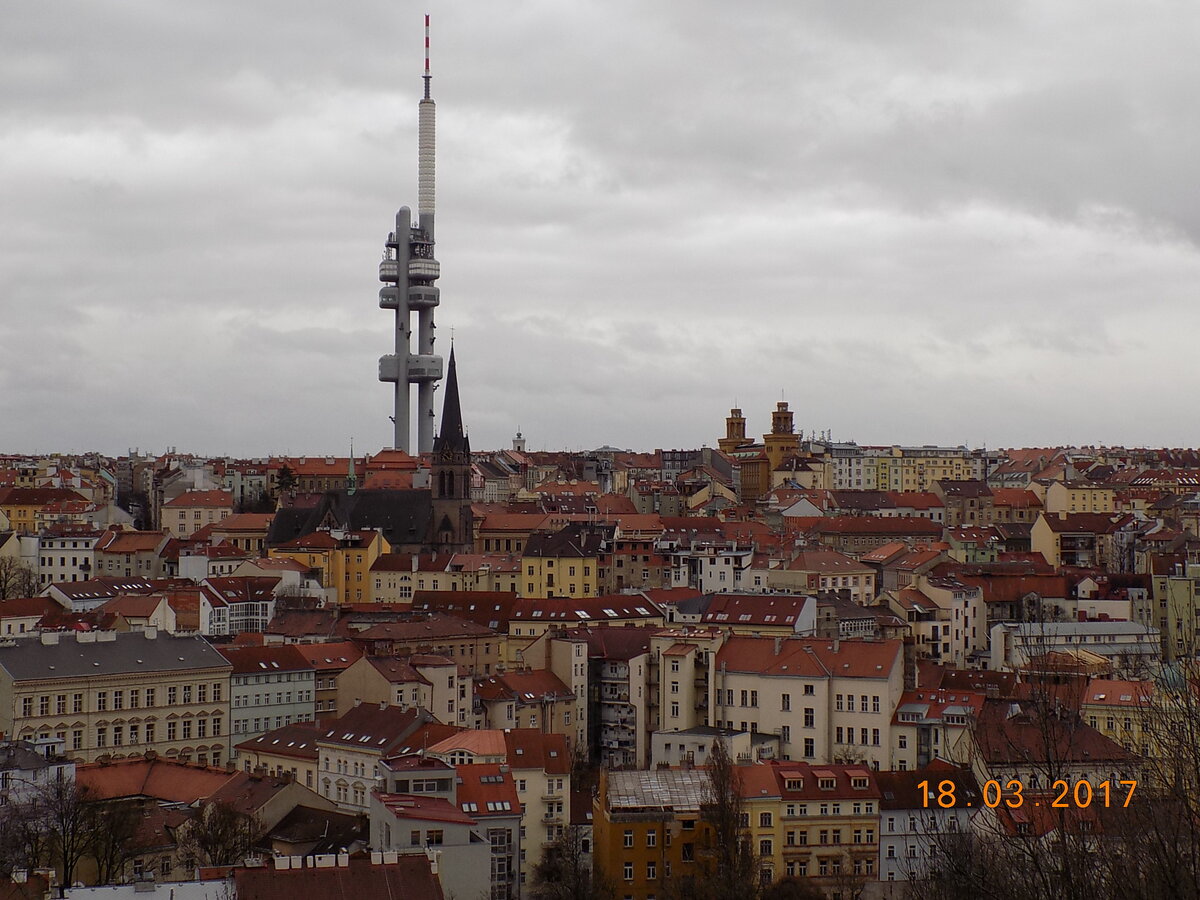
<point>63,810</point>
<point>734,872</point>
<point>219,835</point>
<point>563,873</point>
<point>16,579</point>
<point>115,839</point>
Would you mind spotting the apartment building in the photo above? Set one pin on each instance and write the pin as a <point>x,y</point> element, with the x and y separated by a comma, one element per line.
<point>269,687</point>
<point>118,694</point>
<point>828,700</point>
<point>421,680</point>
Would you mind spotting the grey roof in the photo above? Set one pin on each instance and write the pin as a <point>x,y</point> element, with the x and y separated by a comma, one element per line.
<point>402,516</point>
<point>20,756</point>
<point>106,653</point>
<point>678,789</point>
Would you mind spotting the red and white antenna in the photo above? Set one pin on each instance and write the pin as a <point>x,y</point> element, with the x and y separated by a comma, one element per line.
<point>426,150</point>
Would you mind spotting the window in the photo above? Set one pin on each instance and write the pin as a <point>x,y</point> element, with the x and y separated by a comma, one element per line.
<point>77,703</point>
<point>810,717</point>
<point>651,871</point>
<point>839,703</point>
<point>628,837</point>
<point>764,847</point>
<point>651,838</point>
<point>627,871</point>
<point>149,696</point>
<point>101,701</point>
<point>786,702</point>
<point>764,820</point>
<point>172,696</point>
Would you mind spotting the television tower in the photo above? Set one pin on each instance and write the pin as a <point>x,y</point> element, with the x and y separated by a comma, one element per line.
<point>409,270</point>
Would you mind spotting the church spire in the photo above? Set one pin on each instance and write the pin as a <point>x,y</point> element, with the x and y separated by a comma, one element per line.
<point>451,439</point>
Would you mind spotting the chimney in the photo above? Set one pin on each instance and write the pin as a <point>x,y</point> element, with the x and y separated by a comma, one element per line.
<point>151,632</point>
<point>778,645</point>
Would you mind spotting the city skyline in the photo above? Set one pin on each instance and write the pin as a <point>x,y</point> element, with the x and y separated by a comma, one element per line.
<point>922,225</point>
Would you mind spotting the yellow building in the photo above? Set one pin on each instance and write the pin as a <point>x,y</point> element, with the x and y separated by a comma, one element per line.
<point>1175,611</point>
<point>192,510</point>
<point>20,505</point>
<point>815,822</point>
<point>118,694</point>
<point>288,750</point>
<point>640,840</point>
<point>919,468</point>
<point>565,563</point>
<point>1079,497</point>
<point>1122,711</point>
<point>343,558</point>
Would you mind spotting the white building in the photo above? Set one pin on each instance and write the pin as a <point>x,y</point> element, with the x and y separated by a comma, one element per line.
<point>1133,648</point>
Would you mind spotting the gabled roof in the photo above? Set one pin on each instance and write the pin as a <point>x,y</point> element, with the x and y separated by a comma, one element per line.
<point>1086,523</point>
<point>411,877</point>
<point>826,562</point>
<point>528,686</point>
<point>809,657</point>
<point>266,660</point>
<point>202,499</point>
<point>74,655</point>
<point>583,609</point>
<point>299,623</point>
<point>423,808</point>
<point>487,790</point>
<point>755,609</point>
<point>156,777</point>
<point>372,728</point>
<point>298,740</point>
<point>878,525</point>
<point>900,790</point>
<point>333,656</point>
<point>425,627</point>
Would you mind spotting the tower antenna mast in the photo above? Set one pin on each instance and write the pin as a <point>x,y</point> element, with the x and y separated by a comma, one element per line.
<point>409,271</point>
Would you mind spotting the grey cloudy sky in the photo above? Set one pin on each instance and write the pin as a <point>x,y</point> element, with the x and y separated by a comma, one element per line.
<point>937,221</point>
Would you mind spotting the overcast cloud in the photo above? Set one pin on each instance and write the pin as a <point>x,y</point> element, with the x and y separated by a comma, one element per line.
<point>919,222</point>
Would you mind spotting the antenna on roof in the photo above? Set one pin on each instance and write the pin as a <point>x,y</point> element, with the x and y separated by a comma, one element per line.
<point>426,76</point>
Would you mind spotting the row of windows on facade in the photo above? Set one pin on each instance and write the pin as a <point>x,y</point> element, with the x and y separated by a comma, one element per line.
<point>263,723</point>
<point>134,698</point>
<point>265,699</point>
<point>273,678</point>
<point>138,733</point>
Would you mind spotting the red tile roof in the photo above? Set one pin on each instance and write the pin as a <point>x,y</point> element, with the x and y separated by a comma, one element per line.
<point>256,660</point>
<point>878,525</point>
<point>810,657</point>
<point>205,499</point>
<point>333,656</point>
<point>410,877</point>
<point>487,789</point>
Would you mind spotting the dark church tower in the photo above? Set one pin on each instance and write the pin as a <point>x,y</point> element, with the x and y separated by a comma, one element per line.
<point>451,526</point>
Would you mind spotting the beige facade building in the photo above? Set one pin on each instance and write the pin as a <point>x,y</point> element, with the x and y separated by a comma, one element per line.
<point>193,510</point>
<point>829,701</point>
<point>427,681</point>
<point>118,694</point>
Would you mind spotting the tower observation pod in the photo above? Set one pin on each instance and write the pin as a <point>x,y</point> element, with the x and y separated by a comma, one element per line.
<point>408,271</point>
